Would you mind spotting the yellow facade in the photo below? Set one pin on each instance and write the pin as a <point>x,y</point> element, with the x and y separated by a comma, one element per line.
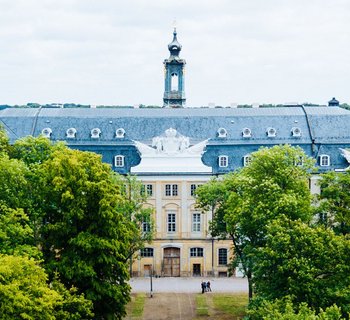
<point>182,245</point>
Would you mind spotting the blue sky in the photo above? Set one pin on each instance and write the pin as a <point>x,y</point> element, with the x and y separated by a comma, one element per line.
<point>112,52</point>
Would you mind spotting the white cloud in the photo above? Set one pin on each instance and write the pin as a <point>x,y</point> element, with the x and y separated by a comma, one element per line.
<point>111,52</point>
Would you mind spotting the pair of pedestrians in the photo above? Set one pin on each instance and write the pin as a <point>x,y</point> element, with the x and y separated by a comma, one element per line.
<point>205,286</point>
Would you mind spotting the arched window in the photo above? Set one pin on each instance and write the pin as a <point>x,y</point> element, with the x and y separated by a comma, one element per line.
<point>95,133</point>
<point>174,82</point>
<point>271,132</point>
<point>246,133</point>
<point>120,133</point>
<point>222,133</point>
<point>296,132</point>
<point>46,132</point>
<point>71,133</point>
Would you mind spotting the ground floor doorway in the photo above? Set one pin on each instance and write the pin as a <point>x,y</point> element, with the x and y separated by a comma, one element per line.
<point>171,262</point>
<point>147,269</point>
<point>196,270</point>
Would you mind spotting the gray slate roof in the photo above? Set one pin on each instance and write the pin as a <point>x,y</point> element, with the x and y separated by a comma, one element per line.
<point>323,124</point>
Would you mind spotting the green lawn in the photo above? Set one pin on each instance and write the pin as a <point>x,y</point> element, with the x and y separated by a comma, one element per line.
<point>231,304</point>
<point>201,305</point>
<point>135,306</point>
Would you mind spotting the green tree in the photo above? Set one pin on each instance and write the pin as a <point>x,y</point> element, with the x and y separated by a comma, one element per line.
<point>308,264</point>
<point>16,236</point>
<point>25,293</point>
<point>86,237</point>
<point>284,309</point>
<point>334,206</point>
<point>135,211</point>
<point>4,141</point>
<point>246,201</point>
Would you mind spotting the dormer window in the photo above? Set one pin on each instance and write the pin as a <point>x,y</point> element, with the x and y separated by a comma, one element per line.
<point>119,161</point>
<point>222,133</point>
<point>95,133</point>
<point>247,133</point>
<point>120,133</point>
<point>46,132</point>
<point>271,132</point>
<point>71,133</point>
<point>296,132</point>
<point>325,160</point>
<point>223,161</point>
<point>247,159</point>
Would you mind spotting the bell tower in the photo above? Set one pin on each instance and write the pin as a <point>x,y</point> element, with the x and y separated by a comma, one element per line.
<point>174,68</point>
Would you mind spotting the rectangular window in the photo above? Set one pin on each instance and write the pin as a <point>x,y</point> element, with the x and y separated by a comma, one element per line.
<point>196,222</point>
<point>147,189</point>
<point>222,256</point>
<point>171,222</point>
<point>171,190</point>
<point>119,161</point>
<point>146,227</point>
<point>247,160</point>
<point>223,161</point>
<point>324,161</point>
<point>146,252</point>
<point>196,252</point>
<point>194,188</point>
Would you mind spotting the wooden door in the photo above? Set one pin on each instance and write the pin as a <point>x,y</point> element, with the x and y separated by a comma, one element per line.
<point>171,262</point>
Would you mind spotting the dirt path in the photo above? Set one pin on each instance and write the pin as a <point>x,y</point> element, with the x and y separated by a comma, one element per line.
<point>170,306</point>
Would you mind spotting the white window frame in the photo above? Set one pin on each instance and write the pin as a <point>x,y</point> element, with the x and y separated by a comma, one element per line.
<point>325,160</point>
<point>119,161</point>
<point>120,133</point>
<point>71,133</point>
<point>147,252</point>
<point>146,227</point>
<point>147,189</point>
<point>296,132</point>
<point>222,133</point>
<point>196,252</point>
<point>171,222</point>
<point>246,133</point>
<point>223,161</point>
<point>95,133</point>
<point>271,132</point>
<point>196,222</point>
<point>171,190</point>
<point>46,132</point>
<point>247,159</point>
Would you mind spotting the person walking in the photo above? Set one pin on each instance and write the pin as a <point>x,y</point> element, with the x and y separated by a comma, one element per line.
<point>208,286</point>
<point>203,286</point>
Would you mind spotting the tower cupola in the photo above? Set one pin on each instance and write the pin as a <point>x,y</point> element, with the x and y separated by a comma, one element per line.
<point>174,82</point>
<point>174,46</point>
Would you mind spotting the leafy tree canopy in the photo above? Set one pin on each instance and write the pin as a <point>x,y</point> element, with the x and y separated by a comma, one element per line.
<point>25,294</point>
<point>245,202</point>
<point>308,264</point>
<point>334,208</point>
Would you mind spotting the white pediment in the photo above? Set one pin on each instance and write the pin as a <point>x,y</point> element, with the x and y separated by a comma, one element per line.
<point>171,153</point>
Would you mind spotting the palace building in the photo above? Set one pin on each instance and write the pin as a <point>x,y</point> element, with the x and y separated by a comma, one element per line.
<point>174,149</point>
